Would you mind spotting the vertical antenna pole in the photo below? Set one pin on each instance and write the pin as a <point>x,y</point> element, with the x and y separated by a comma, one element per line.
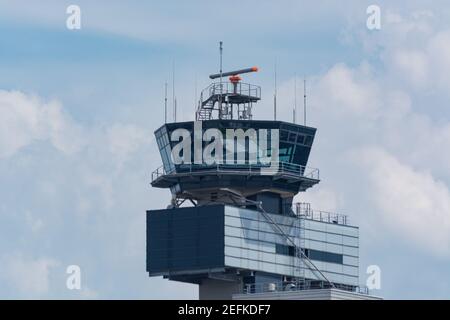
<point>165,102</point>
<point>173,93</point>
<point>295,98</point>
<point>275,94</point>
<point>221,71</point>
<point>221,55</point>
<point>196,100</point>
<point>304,101</point>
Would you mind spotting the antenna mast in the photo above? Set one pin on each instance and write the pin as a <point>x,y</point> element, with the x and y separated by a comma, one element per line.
<point>173,94</point>
<point>196,100</point>
<point>165,102</point>
<point>304,101</point>
<point>295,100</point>
<point>175,109</point>
<point>221,76</point>
<point>275,94</point>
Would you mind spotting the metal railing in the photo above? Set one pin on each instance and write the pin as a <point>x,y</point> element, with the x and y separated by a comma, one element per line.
<point>158,173</point>
<point>299,286</point>
<point>227,88</point>
<point>304,210</point>
<point>256,169</point>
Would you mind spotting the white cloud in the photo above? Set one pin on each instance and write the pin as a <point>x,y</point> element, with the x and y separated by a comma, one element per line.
<point>349,91</point>
<point>321,198</point>
<point>341,91</point>
<point>19,123</point>
<point>162,22</point>
<point>124,140</point>
<point>26,119</point>
<point>34,223</point>
<point>91,203</point>
<point>439,55</point>
<point>412,204</point>
<point>427,65</point>
<point>356,107</point>
<point>413,64</point>
<point>414,47</point>
<point>27,276</point>
<point>382,105</point>
<point>101,185</point>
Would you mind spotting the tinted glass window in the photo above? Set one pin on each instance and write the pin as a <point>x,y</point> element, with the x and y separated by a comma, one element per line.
<point>324,256</point>
<point>285,250</point>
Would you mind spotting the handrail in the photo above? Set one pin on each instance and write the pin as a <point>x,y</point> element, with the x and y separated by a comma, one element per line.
<point>227,88</point>
<point>298,286</point>
<point>319,215</point>
<point>275,168</point>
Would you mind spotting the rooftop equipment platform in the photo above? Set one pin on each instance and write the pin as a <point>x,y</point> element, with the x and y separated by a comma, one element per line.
<point>273,291</point>
<point>229,100</point>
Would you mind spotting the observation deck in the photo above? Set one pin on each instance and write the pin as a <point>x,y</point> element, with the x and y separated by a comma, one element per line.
<point>244,177</point>
<point>230,99</point>
<point>288,174</point>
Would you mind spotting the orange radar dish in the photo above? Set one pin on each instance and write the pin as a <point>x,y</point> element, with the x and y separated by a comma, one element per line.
<point>235,79</point>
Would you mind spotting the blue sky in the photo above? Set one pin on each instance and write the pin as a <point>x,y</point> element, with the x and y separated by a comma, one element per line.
<point>78,110</point>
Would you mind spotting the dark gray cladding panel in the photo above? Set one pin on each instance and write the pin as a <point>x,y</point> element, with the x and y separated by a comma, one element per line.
<point>185,239</point>
<point>271,202</point>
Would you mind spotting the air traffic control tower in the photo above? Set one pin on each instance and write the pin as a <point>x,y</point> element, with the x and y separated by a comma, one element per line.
<point>232,227</point>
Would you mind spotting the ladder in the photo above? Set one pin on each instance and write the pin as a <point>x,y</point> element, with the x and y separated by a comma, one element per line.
<point>205,110</point>
<point>302,211</point>
<point>301,246</point>
<point>300,254</point>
